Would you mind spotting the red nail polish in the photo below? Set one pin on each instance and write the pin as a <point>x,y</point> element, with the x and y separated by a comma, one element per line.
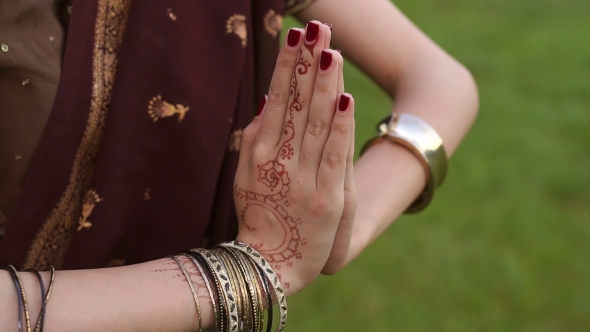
<point>325,60</point>
<point>313,31</point>
<point>261,105</point>
<point>344,101</point>
<point>329,25</point>
<point>293,37</point>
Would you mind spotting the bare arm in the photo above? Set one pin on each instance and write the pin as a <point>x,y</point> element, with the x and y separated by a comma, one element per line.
<point>423,79</point>
<point>151,296</point>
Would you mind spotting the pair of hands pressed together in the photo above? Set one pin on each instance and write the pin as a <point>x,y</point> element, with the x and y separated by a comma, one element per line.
<point>294,186</point>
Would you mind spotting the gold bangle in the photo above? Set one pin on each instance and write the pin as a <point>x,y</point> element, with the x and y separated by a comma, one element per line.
<point>270,274</point>
<point>422,140</point>
<point>207,284</point>
<point>220,317</point>
<point>193,290</point>
<point>226,289</point>
<point>236,283</point>
<point>252,294</point>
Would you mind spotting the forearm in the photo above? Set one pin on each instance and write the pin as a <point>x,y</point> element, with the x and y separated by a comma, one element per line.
<point>445,96</point>
<point>151,296</point>
<point>423,79</point>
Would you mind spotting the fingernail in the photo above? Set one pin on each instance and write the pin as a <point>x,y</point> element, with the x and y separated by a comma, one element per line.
<point>261,105</point>
<point>293,37</point>
<point>339,51</point>
<point>325,60</point>
<point>329,25</point>
<point>344,101</point>
<point>313,31</point>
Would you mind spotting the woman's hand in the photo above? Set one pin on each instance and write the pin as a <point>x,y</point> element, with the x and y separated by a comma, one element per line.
<point>290,182</point>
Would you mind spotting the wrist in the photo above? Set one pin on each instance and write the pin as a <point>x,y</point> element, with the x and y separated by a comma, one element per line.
<point>8,302</point>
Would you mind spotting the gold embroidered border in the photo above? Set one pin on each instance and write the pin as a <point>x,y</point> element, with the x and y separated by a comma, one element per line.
<point>53,239</point>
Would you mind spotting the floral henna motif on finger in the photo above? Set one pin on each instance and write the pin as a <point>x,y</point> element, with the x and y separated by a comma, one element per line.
<point>275,177</point>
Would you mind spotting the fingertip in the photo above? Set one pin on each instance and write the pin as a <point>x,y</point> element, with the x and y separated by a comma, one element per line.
<point>346,103</point>
<point>294,37</point>
<point>261,105</point>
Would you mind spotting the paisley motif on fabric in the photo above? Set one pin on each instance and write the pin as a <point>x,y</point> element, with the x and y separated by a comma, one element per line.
<point>90,200</point>
<point>236,24</point>
<point>235,140</point>
<point>159,108</point>
<point>273,23</point>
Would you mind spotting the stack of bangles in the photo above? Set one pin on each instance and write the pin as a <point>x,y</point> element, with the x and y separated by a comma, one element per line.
<point>242,286</point>
<point>245,292</point>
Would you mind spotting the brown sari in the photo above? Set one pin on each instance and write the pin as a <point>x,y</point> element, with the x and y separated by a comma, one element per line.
<point>137,158</point>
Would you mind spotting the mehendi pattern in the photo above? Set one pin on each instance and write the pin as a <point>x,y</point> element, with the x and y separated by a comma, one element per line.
<point>275,177</point>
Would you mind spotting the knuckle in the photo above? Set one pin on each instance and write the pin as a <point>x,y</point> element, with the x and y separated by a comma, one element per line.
<point>299,185</point>
<point>318,206</point>
<point>340,127</point>
<point>332,159</point>
<point>285,59</point>
<point>277,97</point>
<point>316,128</point>
<point>298,191</point>
<point>249,132</point>
<point>259,153</point>
<point>325,85</point>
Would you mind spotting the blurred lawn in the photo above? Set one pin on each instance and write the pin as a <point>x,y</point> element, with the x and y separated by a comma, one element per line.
<point>505,246</point>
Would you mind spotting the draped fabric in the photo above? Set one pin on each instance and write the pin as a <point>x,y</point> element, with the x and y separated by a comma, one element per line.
<point>137,158</point>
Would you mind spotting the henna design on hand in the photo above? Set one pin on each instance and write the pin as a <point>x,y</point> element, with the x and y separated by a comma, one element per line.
<point>274,175</point>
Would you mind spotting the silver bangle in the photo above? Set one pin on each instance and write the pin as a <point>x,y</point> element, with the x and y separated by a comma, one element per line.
<point>422,140</point>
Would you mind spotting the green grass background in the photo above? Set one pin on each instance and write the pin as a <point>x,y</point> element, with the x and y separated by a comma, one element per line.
<point>505,245</point>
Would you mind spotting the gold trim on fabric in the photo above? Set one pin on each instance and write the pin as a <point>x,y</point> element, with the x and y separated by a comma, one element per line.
<point>293,6</point>
<point>51,243</point>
